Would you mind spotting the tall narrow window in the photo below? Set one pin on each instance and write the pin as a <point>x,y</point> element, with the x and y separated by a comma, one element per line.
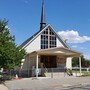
<point>52,39</point>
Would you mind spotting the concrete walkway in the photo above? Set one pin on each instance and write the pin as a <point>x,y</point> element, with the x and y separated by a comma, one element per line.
<point>46,83</point>
<point>3,87</point>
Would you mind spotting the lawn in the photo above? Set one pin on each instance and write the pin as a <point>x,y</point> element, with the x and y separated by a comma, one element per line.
<point>86,74</point>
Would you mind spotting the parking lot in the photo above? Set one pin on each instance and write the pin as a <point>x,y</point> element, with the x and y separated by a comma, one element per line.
<point>63,83</point>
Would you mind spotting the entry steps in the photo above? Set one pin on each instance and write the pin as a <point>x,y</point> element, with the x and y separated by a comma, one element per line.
<point>55,74</point>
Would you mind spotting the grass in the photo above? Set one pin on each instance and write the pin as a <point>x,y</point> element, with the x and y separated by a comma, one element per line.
<point>86,74</point>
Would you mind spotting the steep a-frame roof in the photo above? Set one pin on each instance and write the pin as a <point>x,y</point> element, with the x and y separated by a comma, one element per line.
<point>43,27</point>
<point>33,37</point>
<point>29,39</point>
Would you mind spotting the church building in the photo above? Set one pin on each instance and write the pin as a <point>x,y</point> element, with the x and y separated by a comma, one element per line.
<point>47,49</point>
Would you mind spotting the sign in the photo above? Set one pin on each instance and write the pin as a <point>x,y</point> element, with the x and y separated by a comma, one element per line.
<point>37,71</point>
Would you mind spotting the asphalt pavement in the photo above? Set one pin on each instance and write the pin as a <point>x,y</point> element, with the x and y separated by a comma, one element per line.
<point>59,83</point>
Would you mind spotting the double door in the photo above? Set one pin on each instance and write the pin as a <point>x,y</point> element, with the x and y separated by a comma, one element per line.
<point>49,61</point>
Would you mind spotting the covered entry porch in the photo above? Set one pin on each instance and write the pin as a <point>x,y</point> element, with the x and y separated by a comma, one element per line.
<point>48,61</point>
<point>52,58</point>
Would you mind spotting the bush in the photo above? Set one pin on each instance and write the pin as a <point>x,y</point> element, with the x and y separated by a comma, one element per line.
<point>7,77</point>
<point>4,77</point>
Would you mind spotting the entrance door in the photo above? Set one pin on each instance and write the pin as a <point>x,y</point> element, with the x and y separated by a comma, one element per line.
<point>49,61</point>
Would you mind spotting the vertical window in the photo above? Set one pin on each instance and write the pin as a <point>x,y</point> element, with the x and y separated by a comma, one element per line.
<point>48,39</point>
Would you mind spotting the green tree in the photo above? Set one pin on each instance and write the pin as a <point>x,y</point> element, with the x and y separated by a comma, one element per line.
<point>75,61</point>
<point>84,62</point>
<point>10,54</point>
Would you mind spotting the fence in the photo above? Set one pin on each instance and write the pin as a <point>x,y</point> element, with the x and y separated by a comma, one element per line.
<point>82,69</point>
<point>32,72</point>
<point>76,71</point>
<point>50,72</point>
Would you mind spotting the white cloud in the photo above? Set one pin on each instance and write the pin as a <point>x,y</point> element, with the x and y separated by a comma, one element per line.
<point>74,46</point>
<point>73,36</point>
<point>7,27</point>
<point>83,48</point>
<point>87,56</point>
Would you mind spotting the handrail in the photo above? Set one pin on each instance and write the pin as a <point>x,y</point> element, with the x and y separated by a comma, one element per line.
<point>46,70</point>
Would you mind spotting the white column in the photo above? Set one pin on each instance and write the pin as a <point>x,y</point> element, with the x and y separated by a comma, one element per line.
<point>80,65</point>
<point>37,66</point>
<point>69,63</point>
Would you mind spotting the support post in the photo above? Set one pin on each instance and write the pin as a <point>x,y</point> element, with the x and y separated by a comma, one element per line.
<point>37,70</point>
<point>80,64</point>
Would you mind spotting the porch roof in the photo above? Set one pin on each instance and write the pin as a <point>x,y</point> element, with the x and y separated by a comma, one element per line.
<point>57,51</point>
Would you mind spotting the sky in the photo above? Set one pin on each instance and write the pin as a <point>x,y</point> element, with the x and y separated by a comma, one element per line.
<point>69,18</point>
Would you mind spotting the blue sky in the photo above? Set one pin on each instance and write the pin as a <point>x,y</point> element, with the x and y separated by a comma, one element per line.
<point>70,18</point>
